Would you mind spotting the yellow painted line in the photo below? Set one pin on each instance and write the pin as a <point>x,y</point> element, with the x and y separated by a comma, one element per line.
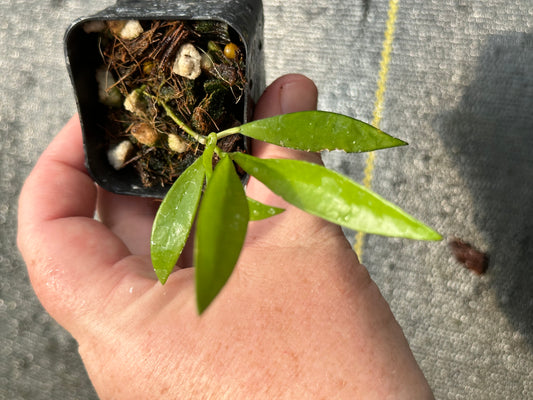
<point>378,106</point>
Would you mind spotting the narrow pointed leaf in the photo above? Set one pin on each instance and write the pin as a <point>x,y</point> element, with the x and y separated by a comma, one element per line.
<point>259,211</point>
<point>220,232</point>
<point>329,195</point>
<point>174,220</point>
<point>319,130</point>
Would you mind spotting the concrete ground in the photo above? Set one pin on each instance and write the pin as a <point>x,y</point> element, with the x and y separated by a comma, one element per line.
<point>458,88</point>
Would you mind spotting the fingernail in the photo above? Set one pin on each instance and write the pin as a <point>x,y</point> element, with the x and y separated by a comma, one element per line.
<point>298,94</point>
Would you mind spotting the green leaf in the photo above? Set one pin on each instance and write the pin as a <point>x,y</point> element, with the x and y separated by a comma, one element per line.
<point>220,232</point>
<point>259,211</point>
<point>331,196</point>
<point>319,130</point>
<point>174,220</point>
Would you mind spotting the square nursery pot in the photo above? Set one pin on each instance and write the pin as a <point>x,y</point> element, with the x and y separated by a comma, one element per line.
<point>89,46</point>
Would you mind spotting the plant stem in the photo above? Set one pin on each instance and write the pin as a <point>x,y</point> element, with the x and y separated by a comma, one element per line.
<point>228,132</point>
<point>199,138</point>
<point>207,156</point>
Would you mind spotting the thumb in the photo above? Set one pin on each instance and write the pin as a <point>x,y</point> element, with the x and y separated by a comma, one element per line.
<point>290,93</point>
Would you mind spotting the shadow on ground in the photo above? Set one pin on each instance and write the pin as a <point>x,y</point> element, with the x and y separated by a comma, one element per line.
<point>490,135</point>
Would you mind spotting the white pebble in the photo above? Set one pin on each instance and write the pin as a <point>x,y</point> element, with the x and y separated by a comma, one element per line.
<point>94,26</point>
<point>135,103</point>
<point>131,30</point>
<point>107,93</point>
<point>177,144</point>
<point>118,154</point>
<point>188,62</point>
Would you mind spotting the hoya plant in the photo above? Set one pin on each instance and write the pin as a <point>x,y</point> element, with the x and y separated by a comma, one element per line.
<point>162,103</point>
<point>215,198</point>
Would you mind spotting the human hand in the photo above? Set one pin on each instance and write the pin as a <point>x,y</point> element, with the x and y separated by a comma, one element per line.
<point>299,318</point>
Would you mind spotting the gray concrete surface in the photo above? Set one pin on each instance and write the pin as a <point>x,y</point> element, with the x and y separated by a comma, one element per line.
<point>459,90</point>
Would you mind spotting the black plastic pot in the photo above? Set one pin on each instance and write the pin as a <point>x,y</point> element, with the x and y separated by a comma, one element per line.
<point>245,17</point>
